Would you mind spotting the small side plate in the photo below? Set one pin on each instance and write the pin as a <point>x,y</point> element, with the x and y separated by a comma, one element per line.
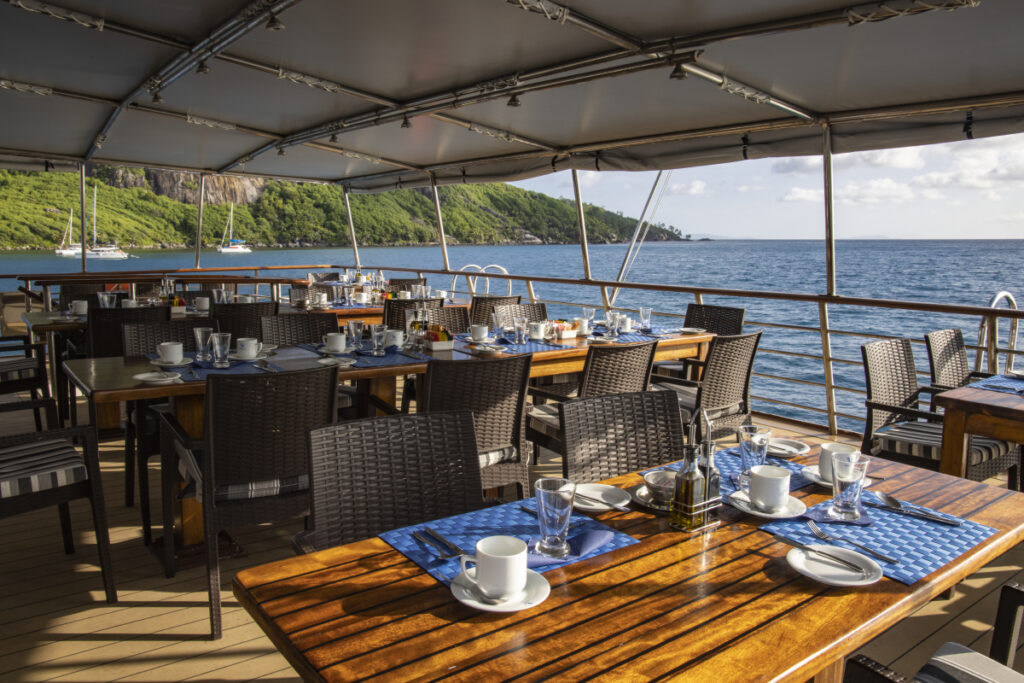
<point>157,378</point>
<point>787,448</point>
<point>536,591</point>
<point>183,363</point>
<point>821,569</point>
<point>612,494</point>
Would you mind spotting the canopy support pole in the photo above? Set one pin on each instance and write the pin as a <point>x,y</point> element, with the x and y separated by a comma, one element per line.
<point>636,235</point>
<point>440,223</point>
<point>81,182</point>
<point>585,251</point>
<point>199,225</point>
<point>830,239</point>
<point>351,227</point>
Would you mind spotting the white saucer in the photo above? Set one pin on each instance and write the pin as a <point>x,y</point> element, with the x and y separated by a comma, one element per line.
<point>157,378</point>
<point>262,355</point>
<point>611,494</point>
<point>822,569</point>
<point>184,362</point>
<point>267,348</point>
<point>787,448</point>
<point>340,362</point>
<point>642,495</point>
<point>536,592</point>
<point>601,340</point>
<point>323,349</point>
<point>794,507</point>
<point>485,340</point>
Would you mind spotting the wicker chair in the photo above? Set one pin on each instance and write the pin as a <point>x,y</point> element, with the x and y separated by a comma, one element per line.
<point>720,320</point>
<point>724,389</point>
<point>252,464</point>
<point>947,359</point>
<point>327,275</point>
<point>23,368</point>
<point>423,467</point>
<point>141,435</point>
<point>396,285</point>
<point>190,295</point>
<point>40,469</point>
<point>75,291</point>
<point>481,307</point>
<point>394,310</point>
<point>242,320</point>
<point>897,429</point>
<point>454,318</point>
<point>296,328</point>
<point>612,435</point>
<point>612,369</point>
<point>533,313</point>
<point>494,391</point>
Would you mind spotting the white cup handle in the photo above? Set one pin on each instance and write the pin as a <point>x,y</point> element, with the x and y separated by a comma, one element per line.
<point>463,559</point>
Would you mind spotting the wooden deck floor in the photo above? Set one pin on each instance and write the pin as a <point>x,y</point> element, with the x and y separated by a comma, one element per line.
<point>57,627</point>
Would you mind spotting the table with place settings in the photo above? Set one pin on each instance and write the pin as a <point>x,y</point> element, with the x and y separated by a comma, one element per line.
<point>992,407</point>
<point>648,602</point>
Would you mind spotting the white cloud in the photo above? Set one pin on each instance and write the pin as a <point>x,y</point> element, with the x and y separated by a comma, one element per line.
<point>749,188</point>
<point>875,191</point>
<point>1012,218</point>
<point>797,165</point>
<point>693,187</point>
<point>905,157</point>
<point>589,178</point>
<point>800,194</point>
<point>932,193</point>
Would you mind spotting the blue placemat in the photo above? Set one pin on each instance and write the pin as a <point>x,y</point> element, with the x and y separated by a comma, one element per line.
<point>198,371</point>
<point>461,340</point>
<point>921,546</point>
<point>728,463</point>
<point>1004,383</point>
<point>509,520</point>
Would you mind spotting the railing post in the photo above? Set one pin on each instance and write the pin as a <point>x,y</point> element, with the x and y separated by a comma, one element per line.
<point>81,182</point>
<point>351,227</point>
<point>440,223</point>
<point>830,239</point>
<point>992,344</point>
<point>583,235</point>
<point>826,359</point>
<point>199,224</point>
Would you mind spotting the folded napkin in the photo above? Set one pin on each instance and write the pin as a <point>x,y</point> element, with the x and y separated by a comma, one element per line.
<point>579,545</point>
<point>819,513</point>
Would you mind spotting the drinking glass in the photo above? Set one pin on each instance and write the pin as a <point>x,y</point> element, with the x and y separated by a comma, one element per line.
<point>613,323</point>
<point>221,343</point>
<point>378,336</point>
<point>355,332</point>
<point>203,342</point>
<point>220,296</point>
<point>848,472</point>
<point>107,299</point>
<point>588,313</point>
<point>521,325</point>
<point>645,318</point>
<point>554,506</point>
<point>753,450</point>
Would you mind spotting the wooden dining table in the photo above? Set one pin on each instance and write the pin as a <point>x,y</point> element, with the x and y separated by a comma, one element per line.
<point>716,606</point>
<point>974,410</point>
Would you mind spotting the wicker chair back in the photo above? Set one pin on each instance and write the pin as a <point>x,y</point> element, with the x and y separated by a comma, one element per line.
<point>615,369</point>
<point>103,329</point>
<point>394,310</point>
<point>890,377</point>
<point>534,313</point>
<point>141,339</point>
<point>482,306</point>
<point>242,320</point>
<point>947,358</point>
<point>715,319</point>
<point>454,318</point>
<point>297,328</point>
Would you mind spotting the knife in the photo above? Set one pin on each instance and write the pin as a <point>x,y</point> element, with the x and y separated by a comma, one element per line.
<point>914,513</point>
<point>821,553</point>
<point>448,544</point>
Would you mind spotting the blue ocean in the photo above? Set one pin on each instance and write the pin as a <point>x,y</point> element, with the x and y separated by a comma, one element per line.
<point>967,272</point>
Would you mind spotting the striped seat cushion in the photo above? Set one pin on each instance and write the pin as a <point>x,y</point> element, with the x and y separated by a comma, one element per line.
<point>39,466</point>
<point>18,364</point>
<point>499,455</point>
<point>688,402</point>
<point>924,440</point>
<point>954,662</point>
<point>544,419</point>
<point>189,469</point>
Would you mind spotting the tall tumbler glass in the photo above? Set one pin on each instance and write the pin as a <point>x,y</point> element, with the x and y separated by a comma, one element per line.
<point>521,325</point>
<point>203,342</point>
<point>848,472</point>
<point>645,318</point>
<point>378,337</point>
<point>221,344</point>
<point>554,507</point>
<point>355,332</point>
<point>753,450</point>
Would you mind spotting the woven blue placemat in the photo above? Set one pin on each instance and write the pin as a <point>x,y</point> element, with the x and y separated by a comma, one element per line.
<point>508,520</point>
<point>1003,383</point>
<point>921,546</point>
<point>728,463</point>
<point>461,340</point>
<point>198,371</point>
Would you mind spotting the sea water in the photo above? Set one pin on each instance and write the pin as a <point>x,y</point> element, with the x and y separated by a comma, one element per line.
<point>966,272</point>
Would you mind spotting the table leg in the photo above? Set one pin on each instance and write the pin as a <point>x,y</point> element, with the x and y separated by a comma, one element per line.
<point>954,442</point>
<point>384,388</point>
<point>833,673</point>
<point>189,412</point>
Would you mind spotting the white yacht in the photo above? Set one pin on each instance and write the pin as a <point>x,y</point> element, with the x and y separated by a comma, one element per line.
<point>71,249</point>
<point>228,244</point>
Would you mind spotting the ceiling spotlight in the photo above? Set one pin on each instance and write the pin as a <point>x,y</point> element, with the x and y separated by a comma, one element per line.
<point>280,151</point>
<point>274,24</point>
<point>514,101</point>
<point>334,137</point>
<point>157,99</point>
<point>405,122</point>
<point>678,73</point>
<point>202,68</point>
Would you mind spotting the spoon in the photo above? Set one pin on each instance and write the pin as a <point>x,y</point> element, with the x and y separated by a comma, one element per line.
<point>895,505</point>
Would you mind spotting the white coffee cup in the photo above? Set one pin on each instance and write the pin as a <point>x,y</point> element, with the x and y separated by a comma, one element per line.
<point>538,330</point>
<point>80,307</point>
<point>129,303</point>
<point>405,294</point>
<point>334,342</point>
<point>394,338</point>
<point>828,449</point>
<point>321,298</point>
<point>625,323</point>
<point>170,352</point>
<point>249,347</point>
<point>769,487</point>
<point>582,325</point>
<point>361,297</point>
<point>478,332</point>
<point>500,571</point>
<point>202,303</point>
<point>243,299</point>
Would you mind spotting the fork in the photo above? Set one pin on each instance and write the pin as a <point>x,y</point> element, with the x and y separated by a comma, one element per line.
<point>817,531</point>
<point>442,552</point>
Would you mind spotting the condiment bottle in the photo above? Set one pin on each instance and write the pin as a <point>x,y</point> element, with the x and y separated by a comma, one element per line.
<point>687,510</point>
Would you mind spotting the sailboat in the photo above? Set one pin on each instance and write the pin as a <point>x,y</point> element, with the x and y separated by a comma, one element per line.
<point>229,245</point>
<point>100,251</point>
<point>67,247</point>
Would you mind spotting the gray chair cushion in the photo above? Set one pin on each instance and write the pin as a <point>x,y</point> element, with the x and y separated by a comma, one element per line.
<point>544,419</point>
<point>688,401</point>
<point>499,455</point>
<point>924,440</point>
<point>38,466</point>
<point>955,663</point>
<point>189,469</point>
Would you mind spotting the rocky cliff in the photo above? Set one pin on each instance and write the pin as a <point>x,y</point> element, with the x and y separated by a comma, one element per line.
<point>184,187</point>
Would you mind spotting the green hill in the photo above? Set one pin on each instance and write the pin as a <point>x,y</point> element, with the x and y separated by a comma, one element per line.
<point>34,213</point>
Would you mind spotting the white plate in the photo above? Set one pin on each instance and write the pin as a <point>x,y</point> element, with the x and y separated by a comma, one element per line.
<point>812,473</point>
<point>158,377</point>
<point>611,494</point>
<point>262,355</point>
<point>822,569</point>
<point>536,591</point>
<point>184,362</point>
<point>691,330</point>
<point>642,495</point>
<point>787,448</point>
<point>601,340</point>
<point>794,507</point>
<point>485,340</point>
<point>267,348</point>
<point>340,362</point>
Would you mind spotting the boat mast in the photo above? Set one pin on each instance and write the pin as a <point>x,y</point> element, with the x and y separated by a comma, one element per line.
<point>81,188</point>
<point>94,216</point>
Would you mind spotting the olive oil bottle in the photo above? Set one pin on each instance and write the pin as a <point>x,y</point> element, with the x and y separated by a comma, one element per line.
<point>687,513</point>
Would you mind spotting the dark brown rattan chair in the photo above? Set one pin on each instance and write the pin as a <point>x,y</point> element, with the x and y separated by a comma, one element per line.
<point>611,369</point>
<point>724,389</point>
<point>533,313</point>
<point>481,307</point>
<point>897,429</point>
<point>252,463</point>
<point>421,467</point>
<point>494,390</point>
<point>242,320</point>
<point>394,310</point>
<point>396,284</point>
<point>947,359</point>
<point>720,320</point>
<point>454,318</point>
<point>190,295</point>
<point>327,275</point>
<point>23,368</point>
<point>40,469</point>
<point>297,328</point>
<point>612,435</point>
<point>79,291</point>
<point>141,435</point>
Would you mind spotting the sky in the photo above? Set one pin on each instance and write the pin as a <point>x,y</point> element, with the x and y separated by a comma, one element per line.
<point>972,189</point>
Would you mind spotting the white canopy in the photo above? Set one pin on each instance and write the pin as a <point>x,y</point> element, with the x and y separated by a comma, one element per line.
<point>386,93</point>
